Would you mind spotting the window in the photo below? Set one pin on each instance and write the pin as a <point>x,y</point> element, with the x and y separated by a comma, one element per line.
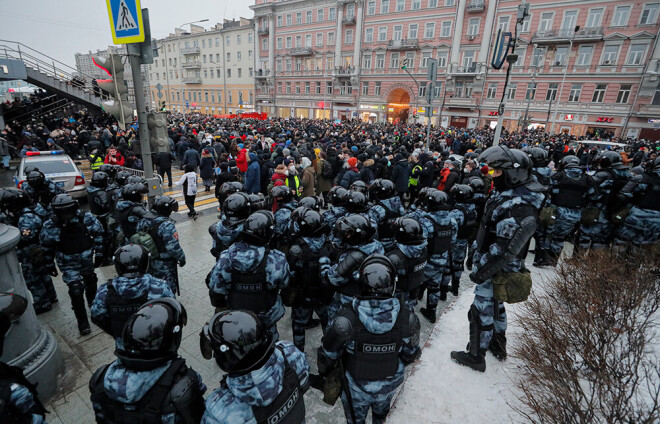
<point>319,39</point>
<point>369,35</point>
<point>228,57</point>
<point>538,55</point>
<point>445,31</point>
<point>228,73</point>
<point>574,94</point>
<point>288,88</point>
<point>380,61</point>
<point>595,17</point>
<point>331,39</point>
<point>382,34</point>
<point>288,20</point>
<point>511,91</point>
<point>365,88</point>
<point>442,59</point>
<point>422,91</point>
<point>204,44</point>
<point>308,40</point>
<point>394,60</point>
<point>249,37</point>
<point>371,8</point>
<point>437,89</point>
<point>503,23</point>
<point>524,28</point>
<point>297,88</point>
<point>416,4</point>
<point>624,93</point>
<point>531,91</point>
<point>366,61</point>
<point>203,58</point>
<point>348,35</point>
<point>289,42</point>
<point>425,60</point>
<point>319,15</point>
<point>279,21</point>
<point>450,2</point>
<point>584,55</point>
<point>298,40</point>
<point>473,26</point>
<point>545,23</point>
<point>649,14</point>
<point>636,54</point>
<point>212,96</point>
<point>238,40</point>
<point>609,55</point>
<point>384,6</point>
<point>458,89</point>
<point>350,11</point>
<point>287,65</point>
<point>298,65</point>
<point>599,93</point>
<point>299,18</point>
<point>217,71</point>
<point>377,89</point>
<point>433,3</point>
<point>317,88</point>
<point>429,30</point>
<point>328,87</point>
<point>400,5</point>
<point>570,18</point>
<point>656,96</point>
<point>249,54</point>
<point>492,90</point>
<point>620,16</point>
<point>410,60</point>
<point>560,56</point>
<point>238,55</point>
<point>308,17</point>
<point>468,58</point>
<point>332,14</point>
<point>250,72</point>
<point>396,35</point>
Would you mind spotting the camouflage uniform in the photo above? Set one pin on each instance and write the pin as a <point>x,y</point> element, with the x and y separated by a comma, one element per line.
<point>462,215</point>
<point>30,255</point>
<point>170,252</point>
<point>232,402</point>
<point>244,258</point>
<point>439,266</point>
<point>379,317</point>
<point>20,402</point>
<point>128,386</point>
<point>133,212</point>
<point>224,236</point>
<point>101,206</point>
<point>282,222</point>
<point>503,228</point>
<point>410,252</point>
<point>642,225</point>
<point>331,216</point>
<point>127,288</point>
<point>383,211</point>
<point>44,195</point>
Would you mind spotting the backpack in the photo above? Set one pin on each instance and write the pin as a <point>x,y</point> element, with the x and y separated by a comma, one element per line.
<point>326,170</point>
<point>150,239</point>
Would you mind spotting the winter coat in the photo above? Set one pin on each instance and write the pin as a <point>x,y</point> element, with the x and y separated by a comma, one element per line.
<point>453,178</point>
<point>189,183</point>
<point>367,174</point>
<point>164,160</point>
<point>308,181</point>
<point>242,160</point>
<point>191,157</point>
<point>253,175</point>
<point>206,167</point>
<point>426,176</point>
<point>350,176</point>
<point>401,176</point>
<point>323,184</point>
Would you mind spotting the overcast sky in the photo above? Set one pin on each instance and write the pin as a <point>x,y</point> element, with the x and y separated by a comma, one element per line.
<point>62,28</point>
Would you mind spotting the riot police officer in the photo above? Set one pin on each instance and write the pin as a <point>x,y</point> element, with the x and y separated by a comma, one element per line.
<point>308,294</point>
<point>41,190</point>
<point>249,275</point>
<point>479,201</point>
<point>167,251</point>
<point>284,203</point>
<point>75,240</point>
<point>149,383</point>
<point>509,221</point>
<point>373,339</point>
<point>235,210</point>
<point>19,401</point>
<point>540,162</point>
<point>312,202</point>
<point>255,363</point>
<point>337,196</point>
<point>462,195</point>
<point>386,208</point>
<point>122,296</point>
<point>100,205</point>
<point>225,190</point>
<point>130,209</point>
<point>114,187</point>
<point>15,204</point>
<point>409,256</point>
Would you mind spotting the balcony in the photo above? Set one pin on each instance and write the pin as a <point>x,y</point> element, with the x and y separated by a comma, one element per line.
<point>262,73</point>
<point>192,80</point>
<point>343,72</point>
<point>191,65</point>
<point>190,50</point>
<point>589,34</point>
<point>348,20</point>
<point>403,44</point>
<point>564,35</point>
<point>344,98</point>
<point>476,6</point>
<point>263,31</point>
<point>301,51</point>
<point>461,102</point>
<point>471,70</point>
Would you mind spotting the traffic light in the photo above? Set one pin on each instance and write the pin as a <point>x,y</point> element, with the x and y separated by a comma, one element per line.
<point>405,64</point>
<point>119,107</point>
<point>162,107</point>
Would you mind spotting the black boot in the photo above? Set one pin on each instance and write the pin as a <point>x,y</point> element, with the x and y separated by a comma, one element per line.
<point>443,293</point>
<point>90,287</point>
<point>455,282</point>
<point>476,362</point>
<point>540,257</point>
<point>497,345</point>
<point>77,294</point>
<point>429,314</point>
<point>475,356</point>
<point>468,262</point>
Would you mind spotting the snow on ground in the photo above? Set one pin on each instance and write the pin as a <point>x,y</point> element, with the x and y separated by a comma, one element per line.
<point>440,391</point>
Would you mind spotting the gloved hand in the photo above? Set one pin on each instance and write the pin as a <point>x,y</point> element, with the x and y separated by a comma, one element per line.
<point>475,279</point>
<point>98,260</point>
<point>182,263</point>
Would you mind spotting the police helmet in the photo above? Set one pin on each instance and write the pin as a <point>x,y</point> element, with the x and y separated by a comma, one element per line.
<point>12,307</point>
<point>29,168</point>
<point>136,179</point>
<point>36,179</point>
<point>422,197</point>
<point>356,202</point>
<point>110,170</point>
<point>539,157</point>
<point>100,179</point>
<point>477,185</point>
<point>378,278</point>
<point>360,186</point>
<point>238,341</point>
<point>152,335</point>
<point>236,208</point>
<point>13,200</point>
<point>611,160</point>
<point>258,228</point>
<point>229,188</point>
<point>408,231</point>
<point>437,200</point>
<point>515,165</point>
<point>312,202</point>
<point>131,260</point>
<point>310,223</point>
<point>122,177</point>
<point>65,207</point>
<point>164,205</point>
<point>462,193</point>
<point>337,195</point>
<point>281,194</point>
<point>381,189</point>
<point>353,230</point>
<point>134,192</point>
<point>570,161</point>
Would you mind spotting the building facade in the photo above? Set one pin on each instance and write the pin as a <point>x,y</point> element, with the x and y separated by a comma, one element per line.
<point>206,71</point>
<point>584,67</point>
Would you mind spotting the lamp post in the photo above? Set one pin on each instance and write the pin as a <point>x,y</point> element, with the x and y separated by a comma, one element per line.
<point>563,80</point>
<point>529,97</point>
<point>183,109</point>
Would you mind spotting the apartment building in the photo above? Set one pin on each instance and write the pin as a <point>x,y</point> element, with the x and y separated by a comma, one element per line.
<point>584,67</point>
<point>208,71</point>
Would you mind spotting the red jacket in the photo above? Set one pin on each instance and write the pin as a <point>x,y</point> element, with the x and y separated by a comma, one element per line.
<point>241,160</point>
<point>117,160</point>
<point>444,173</point>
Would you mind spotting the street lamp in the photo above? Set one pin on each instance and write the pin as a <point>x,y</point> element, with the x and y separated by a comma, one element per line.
<point>183,109</point>
<point>563,80</point>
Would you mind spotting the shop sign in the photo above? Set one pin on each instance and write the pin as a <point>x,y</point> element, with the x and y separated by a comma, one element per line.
<point>654,120</point>
<point>493,114</point>
<point>370,107</point>
<point>605,119</point>
<point>568,117</point>
<point>390,109</point>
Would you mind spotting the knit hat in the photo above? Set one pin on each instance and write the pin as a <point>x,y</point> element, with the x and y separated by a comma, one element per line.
<point>352,162</point>
<point>484,169</point>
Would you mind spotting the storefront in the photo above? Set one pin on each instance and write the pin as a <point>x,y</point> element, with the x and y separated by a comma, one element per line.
<point>602,127</point>
<point>458,121</point>
<point>369,113</point>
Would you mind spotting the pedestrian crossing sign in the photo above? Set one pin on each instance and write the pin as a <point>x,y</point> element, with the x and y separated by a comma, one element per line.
<point>125,21</point>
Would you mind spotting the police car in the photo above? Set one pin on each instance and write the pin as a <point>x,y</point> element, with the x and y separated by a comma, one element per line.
<point>58,167</point>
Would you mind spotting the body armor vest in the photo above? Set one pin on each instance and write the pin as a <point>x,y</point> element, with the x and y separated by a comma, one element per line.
<point>120,309</point>
<point>571,191</point>
<point>486,235</point>
<point>249,291</point>
<point>440,243</point>
<point>386,230</point>
<point>308,279</point>
<point>99,203</point>
<point>414,271</point>
<point>129,228</point>
<point>75,237</point>
<point>469,221</point>
<point>650,199</point>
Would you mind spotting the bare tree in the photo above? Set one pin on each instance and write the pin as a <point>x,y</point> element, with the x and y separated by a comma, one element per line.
<point>587,347</point>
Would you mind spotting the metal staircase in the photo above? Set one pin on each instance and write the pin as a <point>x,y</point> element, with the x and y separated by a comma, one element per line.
<point>52,75</point>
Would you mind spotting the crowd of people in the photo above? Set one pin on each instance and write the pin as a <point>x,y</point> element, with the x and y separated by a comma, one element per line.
<point>354,223</point>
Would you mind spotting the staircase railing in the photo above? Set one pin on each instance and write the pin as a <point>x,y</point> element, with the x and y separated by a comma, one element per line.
<point>45,64</point>
<point>49,108</point>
